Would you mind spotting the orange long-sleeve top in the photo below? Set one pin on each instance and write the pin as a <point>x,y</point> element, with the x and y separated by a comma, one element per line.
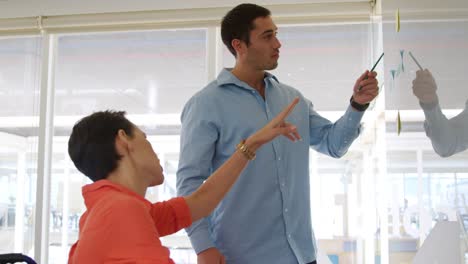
<point>120,226</point>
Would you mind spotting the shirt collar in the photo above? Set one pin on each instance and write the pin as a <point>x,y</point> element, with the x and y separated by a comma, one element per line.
<point>95,189</point>
<point>226,77</point>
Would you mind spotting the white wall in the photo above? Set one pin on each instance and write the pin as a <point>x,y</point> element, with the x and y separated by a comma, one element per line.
<point>420,5</point>
<point>31,8</point>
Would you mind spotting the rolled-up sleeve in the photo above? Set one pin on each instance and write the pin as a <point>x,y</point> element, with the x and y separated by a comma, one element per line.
<point>171,216</point>
<point>334,139</point>
<point>448,136</point>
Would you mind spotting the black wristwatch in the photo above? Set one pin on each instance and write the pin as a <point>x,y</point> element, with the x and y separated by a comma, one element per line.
<point>357,106</point>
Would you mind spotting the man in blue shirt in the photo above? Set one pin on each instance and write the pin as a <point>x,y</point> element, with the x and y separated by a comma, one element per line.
<point>265,218</point>
<point>448,136</point>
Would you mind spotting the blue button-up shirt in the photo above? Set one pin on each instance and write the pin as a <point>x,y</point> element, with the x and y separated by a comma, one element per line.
<point>448,136</point>
<point>265,217</point>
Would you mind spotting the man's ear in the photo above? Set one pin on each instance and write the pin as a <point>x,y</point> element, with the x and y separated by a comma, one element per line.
<point>238,46</point>
<point>122,144</point>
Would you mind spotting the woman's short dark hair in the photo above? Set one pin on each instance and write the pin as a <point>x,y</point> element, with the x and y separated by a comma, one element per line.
<point>238,23</point>
<point>92,143</point>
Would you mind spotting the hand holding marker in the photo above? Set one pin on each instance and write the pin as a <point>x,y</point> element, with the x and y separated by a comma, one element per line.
<point>375,65</point>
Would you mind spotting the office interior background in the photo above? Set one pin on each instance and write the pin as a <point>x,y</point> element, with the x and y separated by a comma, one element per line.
<point>61,61</point>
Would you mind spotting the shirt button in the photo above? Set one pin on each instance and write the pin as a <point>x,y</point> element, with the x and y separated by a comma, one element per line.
<point>279,158</point>
<point>282,184</point>
<point>289,235</point>
<point>286,210</point>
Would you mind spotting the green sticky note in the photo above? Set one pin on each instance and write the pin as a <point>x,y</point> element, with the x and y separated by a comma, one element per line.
<point>398,20</point>
<point>398,123</point>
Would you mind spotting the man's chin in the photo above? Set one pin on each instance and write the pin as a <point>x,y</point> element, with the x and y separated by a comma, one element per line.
<point>271,67</point>
<point>157,182</point>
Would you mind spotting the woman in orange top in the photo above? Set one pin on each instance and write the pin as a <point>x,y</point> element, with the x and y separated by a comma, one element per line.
<point>120,225</point>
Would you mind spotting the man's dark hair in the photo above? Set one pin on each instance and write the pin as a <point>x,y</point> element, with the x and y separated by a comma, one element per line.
<point>92,143</point>
<point>238,23</point>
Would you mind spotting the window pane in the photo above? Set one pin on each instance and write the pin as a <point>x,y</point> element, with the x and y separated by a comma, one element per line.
<point>148,74</point>
<point>19,97</point>
<point>433,118</point>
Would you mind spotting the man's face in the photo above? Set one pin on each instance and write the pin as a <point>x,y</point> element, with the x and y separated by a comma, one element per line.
<point>145,159</point>
<point>263,51</point>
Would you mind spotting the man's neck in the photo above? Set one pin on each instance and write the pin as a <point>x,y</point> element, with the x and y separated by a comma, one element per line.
<point>127,176</point>
<point>254,78</point>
